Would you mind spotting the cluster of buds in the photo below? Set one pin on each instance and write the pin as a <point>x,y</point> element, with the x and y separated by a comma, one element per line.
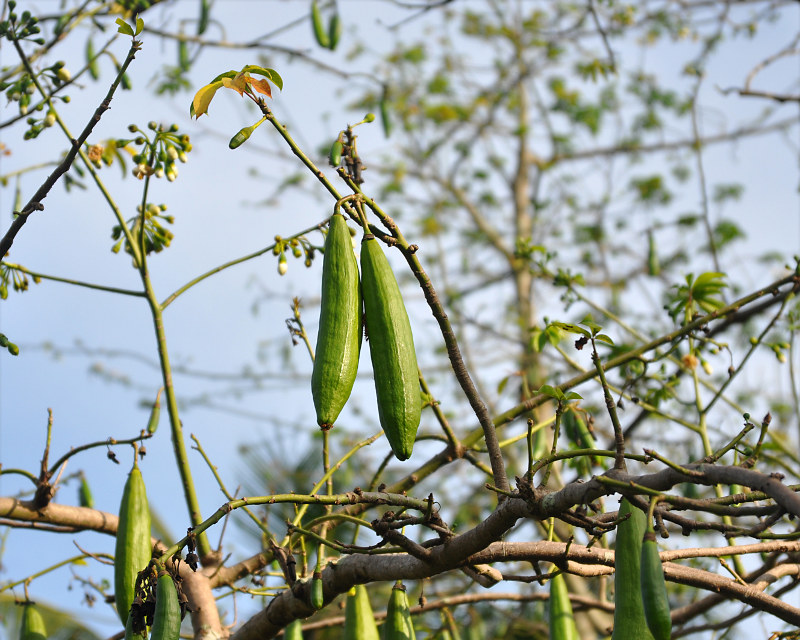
<point>159,156</point>
<point>22,89</point>
<point>156,236</point>
<point>299,247</point>
<point>17,27</point>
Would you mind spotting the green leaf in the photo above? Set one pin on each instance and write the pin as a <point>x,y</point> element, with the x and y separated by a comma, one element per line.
<point>553,392</point>
<point>602,337</point>
<point>591,324</point>
<point>502,385</point>
<point>139,26</point>
<point>571,328</point>
<point>572,395</point>
<point>124,28</point>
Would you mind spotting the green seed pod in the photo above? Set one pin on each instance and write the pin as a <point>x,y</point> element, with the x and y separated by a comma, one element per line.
<point>359,622</point>
<point>334,31</point>
<point>155,414</point>
<point>386,120</point>
<point>391,345</point>
<point>629,620</point>
<point>562,622</point>
<point>317,598</point>
<point>202,23</point>
<point>339,337</point>
<point>239,139</point>
<point>335,156</point>
<point>32,624</point>
<point>183,55</point>
<point>91,61</point>
<point>167,618</point>
<point>320,35</point>
<point>398,624</point>
<point>85,493</point>
<point>653,266</point>
<point>132,551</point>
<point>654,588</point>
<point>13,349</point>
<point>293,631</point>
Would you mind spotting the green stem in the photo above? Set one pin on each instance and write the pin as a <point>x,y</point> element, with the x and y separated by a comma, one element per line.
<point>58,565</point>
<point>77,283</point>
<point>178,444</point>
<point>364,497</point>
<point>224,489</point>
<point>171,298</point>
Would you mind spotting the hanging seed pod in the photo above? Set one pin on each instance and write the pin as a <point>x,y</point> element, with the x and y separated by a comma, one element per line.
<point>132,551</point>
<point>391,346</point>
<point>339,338</point>
<point>653,266</point>
<point>85,497</point>
<point>359,621</point>
<point>167,618</point>
<point>202,23</point>
<point>32,624</point>
<point>317,597</point>
<point>293,631</point>
<point>320,35</point>
<point>654,588</point>
<point>334,31</point>
<point>335,156</point>
<point>91,60</point>
<point>629,620</point>
<point>398,624</point>
<point>562,622</point>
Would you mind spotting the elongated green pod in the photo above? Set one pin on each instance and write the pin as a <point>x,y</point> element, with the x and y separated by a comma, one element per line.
<point>32,624</point>
<point>240,137</point>
<point>386,118</point>
<point>398,624</point>
<point>167,618</point>
<point>653,266</point>
<point>155,414</point>
<point>293,631</point>
<point>391,346</point>
<point>184,61</point>
<point>132,551</point>
<point>317,597</point>
<point>205,14</point>
<point>85,493</point>
<point>91,60</point>
<point>359,621</point>
<point>335,156</point>
<point>562,622</point>
<point>339,337</point>
<point>334,30</point>
<point>629,620</point>
<point>320,35</point>
<point>654,588</point>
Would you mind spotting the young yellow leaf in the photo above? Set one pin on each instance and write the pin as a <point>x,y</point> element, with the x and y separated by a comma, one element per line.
<point>203,98</point>
<point>124,28</point>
